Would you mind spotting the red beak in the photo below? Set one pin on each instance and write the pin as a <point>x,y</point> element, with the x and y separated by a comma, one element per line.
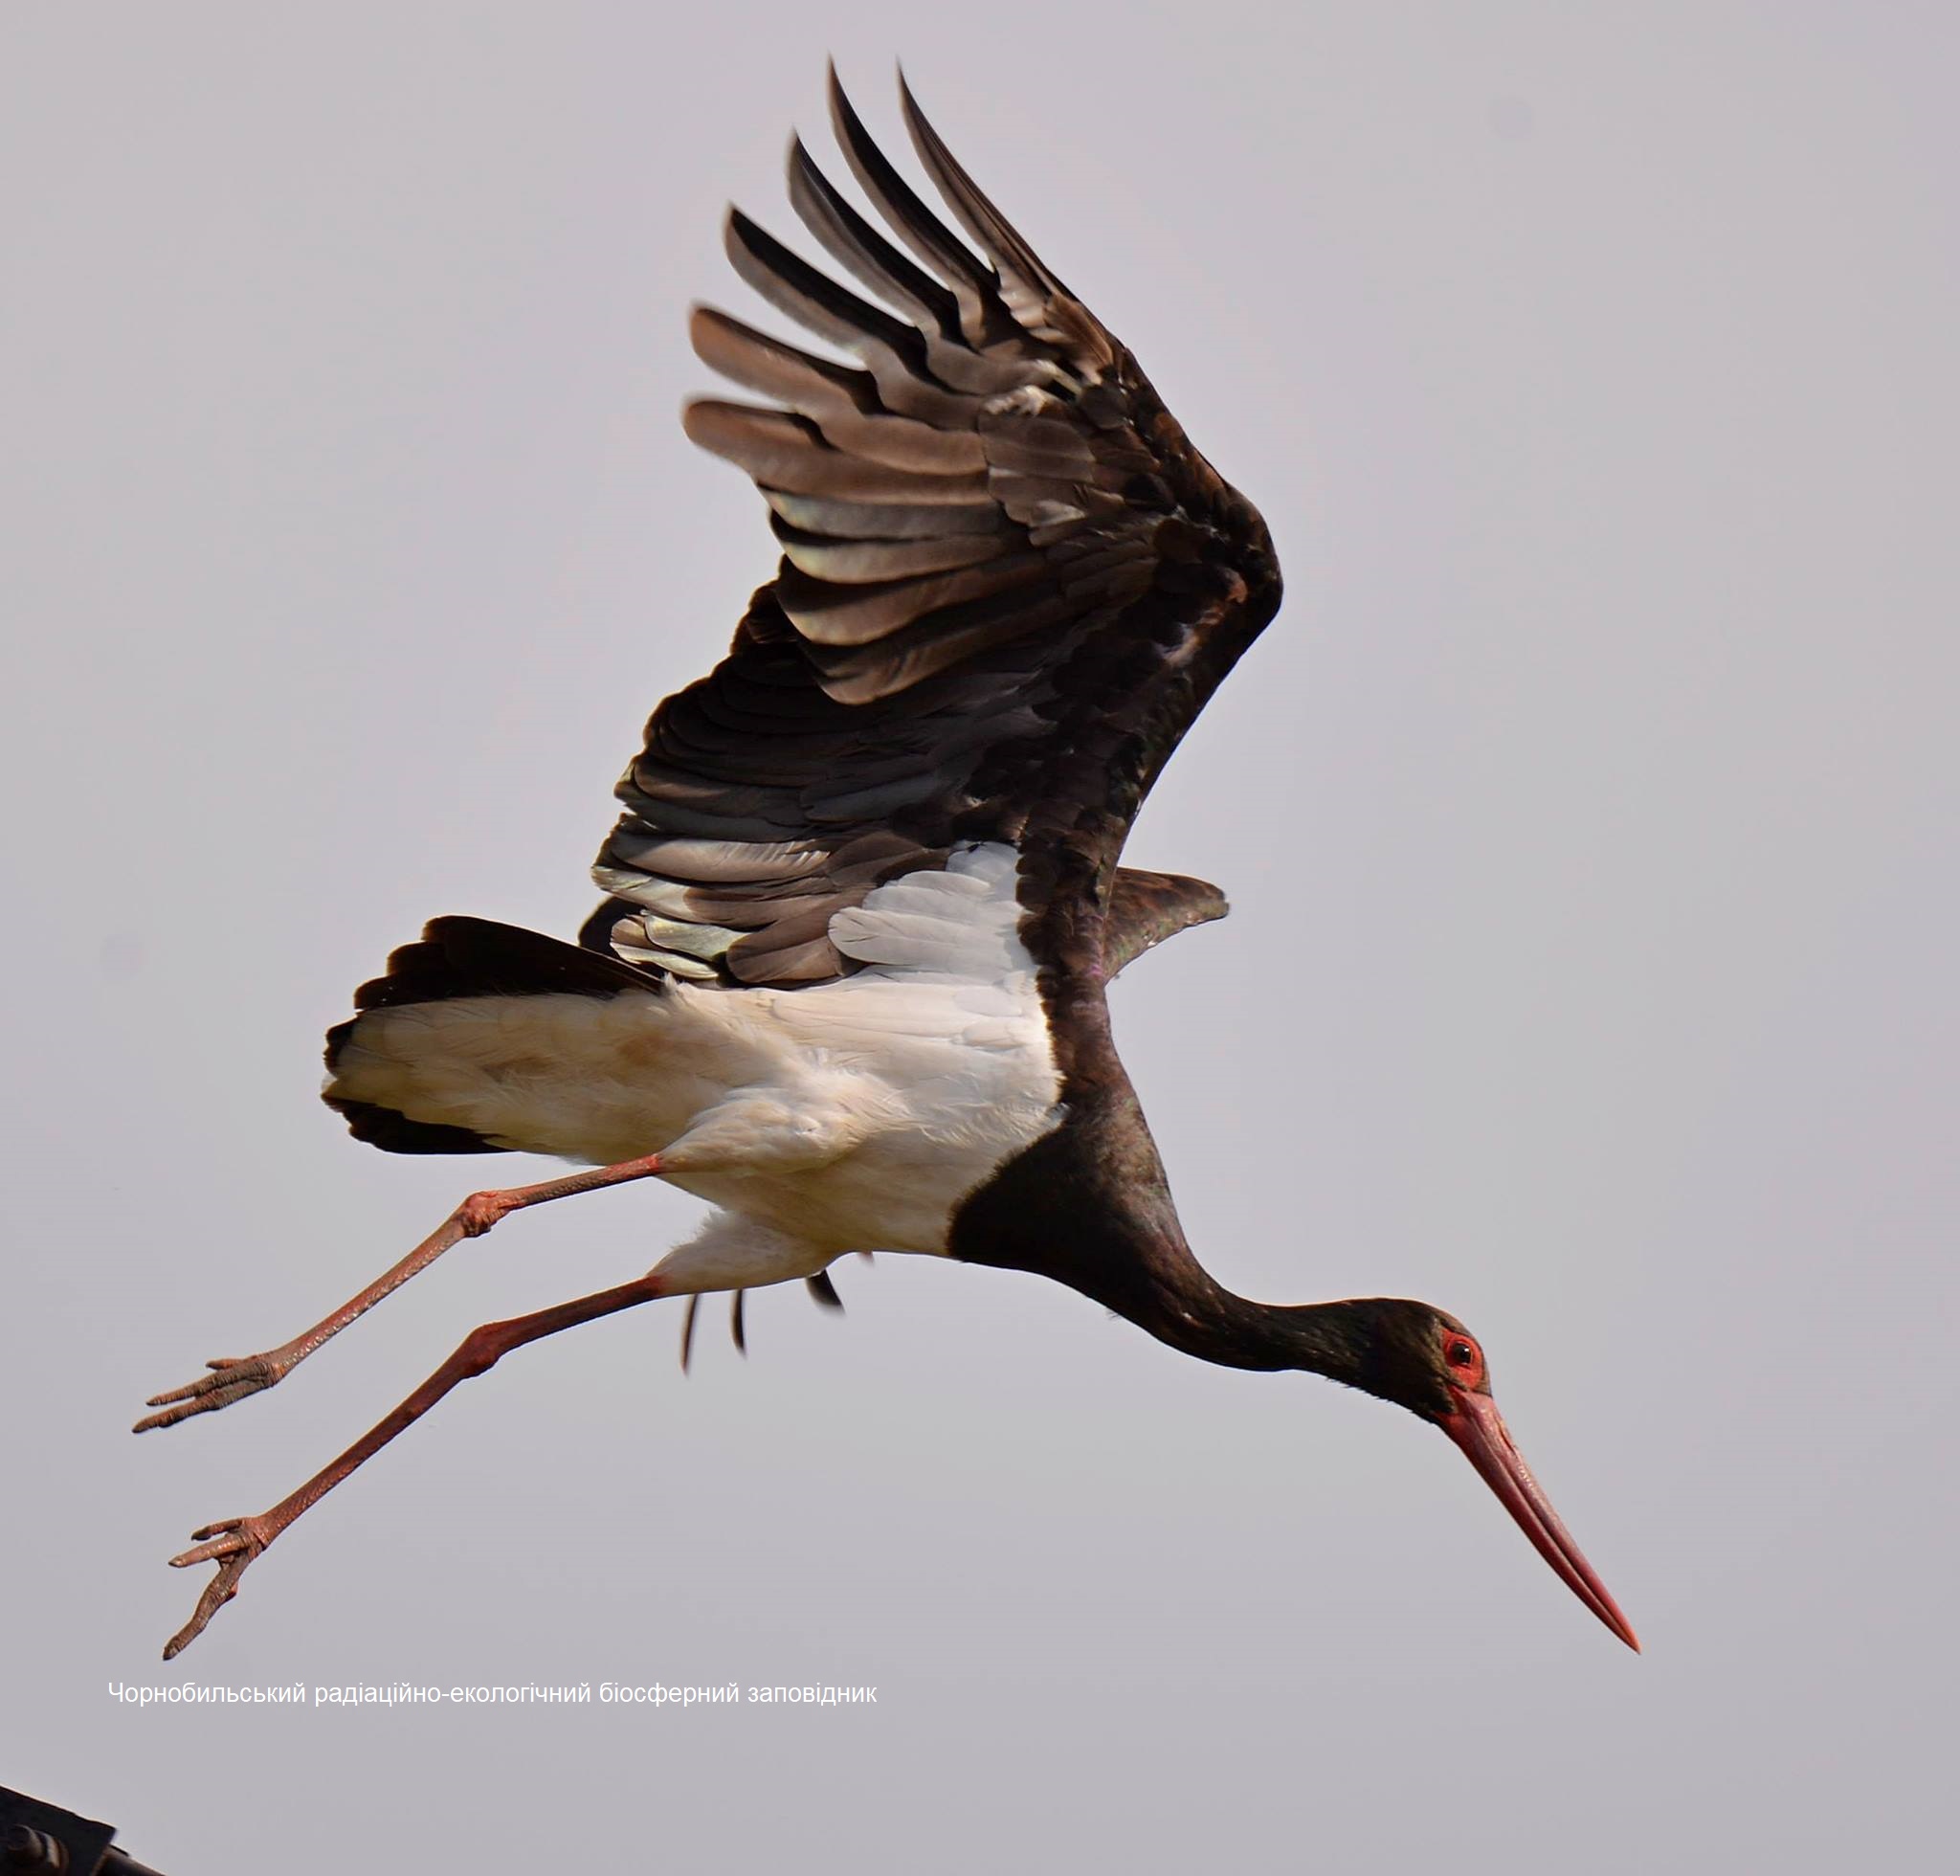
<point>1478,1428</point>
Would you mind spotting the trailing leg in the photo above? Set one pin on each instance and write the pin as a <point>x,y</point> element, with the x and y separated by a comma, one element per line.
<point>232,1543</point>
<point>233,1378</point>
<point>728,1253</point>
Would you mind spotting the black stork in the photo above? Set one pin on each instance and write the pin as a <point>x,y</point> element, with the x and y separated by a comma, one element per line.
<point>864,902</point>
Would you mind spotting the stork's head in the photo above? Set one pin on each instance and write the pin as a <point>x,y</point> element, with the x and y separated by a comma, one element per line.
<point>1425,1360</point>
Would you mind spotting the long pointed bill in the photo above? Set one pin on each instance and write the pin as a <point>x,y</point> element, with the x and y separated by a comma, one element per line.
<point>1478,1428</point>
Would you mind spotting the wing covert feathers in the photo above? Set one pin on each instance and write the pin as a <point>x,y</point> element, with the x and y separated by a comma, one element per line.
<point>1008,583</point>
<point>1145,908</point>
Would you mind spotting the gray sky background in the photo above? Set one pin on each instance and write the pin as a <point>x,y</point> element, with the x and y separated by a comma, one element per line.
<point>1587,818</point>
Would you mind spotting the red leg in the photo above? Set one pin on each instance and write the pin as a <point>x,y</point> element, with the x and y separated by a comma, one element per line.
<point>233,1542</point>
<point>234,1377</point>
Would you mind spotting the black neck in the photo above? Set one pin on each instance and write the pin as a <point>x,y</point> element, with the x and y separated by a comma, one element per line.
<point>1088,1206</point>
<point>1184,1306</point>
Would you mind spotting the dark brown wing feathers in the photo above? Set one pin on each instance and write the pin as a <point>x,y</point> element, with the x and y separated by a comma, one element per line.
<point>1008,584</point>
<point>1145,908</point>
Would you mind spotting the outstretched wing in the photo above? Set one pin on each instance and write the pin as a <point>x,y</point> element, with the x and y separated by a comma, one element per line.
<point>1007,585</point>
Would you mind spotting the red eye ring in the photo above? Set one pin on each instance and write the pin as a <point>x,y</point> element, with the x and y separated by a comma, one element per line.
<point>1465,1356</point>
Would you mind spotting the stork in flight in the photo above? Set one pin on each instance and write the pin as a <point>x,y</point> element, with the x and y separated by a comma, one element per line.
<point>863,903</point>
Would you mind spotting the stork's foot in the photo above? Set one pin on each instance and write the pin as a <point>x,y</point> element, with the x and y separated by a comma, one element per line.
<point>231,1544</point>
<point>231,1378</point>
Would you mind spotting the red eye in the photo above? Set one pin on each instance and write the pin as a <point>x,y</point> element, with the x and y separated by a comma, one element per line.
<point>1465,1356</point>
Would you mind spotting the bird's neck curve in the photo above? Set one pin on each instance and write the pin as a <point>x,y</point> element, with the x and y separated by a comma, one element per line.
<point>1188,1308</point>
<point>1088,1206</point>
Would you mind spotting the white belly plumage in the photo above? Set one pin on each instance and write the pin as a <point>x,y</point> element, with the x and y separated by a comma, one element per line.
<point>851,1115</point>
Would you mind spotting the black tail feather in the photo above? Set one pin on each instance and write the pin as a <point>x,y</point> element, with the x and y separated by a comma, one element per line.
<point>469,957</point>
<point>397,1133</point>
